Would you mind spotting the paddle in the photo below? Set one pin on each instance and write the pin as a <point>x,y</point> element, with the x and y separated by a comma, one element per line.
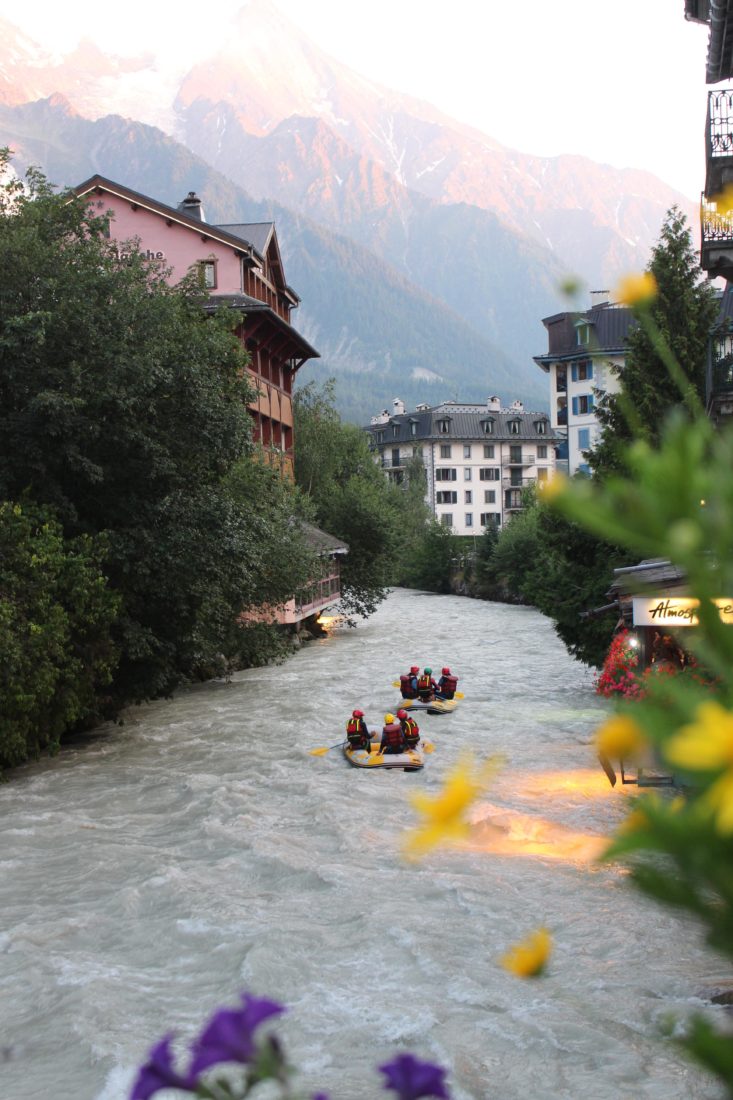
<point>322,752</point>
<point>456,694</point>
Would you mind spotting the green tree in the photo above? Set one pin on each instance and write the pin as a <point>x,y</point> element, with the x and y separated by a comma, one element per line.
<point>351,497</point>
<point>432,560</point>
<point>56,615</point>
<point>123,405</point>
<point>684,311</point>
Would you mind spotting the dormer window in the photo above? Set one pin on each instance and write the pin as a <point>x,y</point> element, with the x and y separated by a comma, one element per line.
<point>413,427</point>
<point>379,436</point>
<point>514,426</point>
<point>488,425</point>
<point>582,329</point>
<point>444,426</point>
<point>540,427</point>
<point>395,431</point>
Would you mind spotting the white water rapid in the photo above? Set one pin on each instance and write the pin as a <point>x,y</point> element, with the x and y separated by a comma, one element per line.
<point>152,872</point>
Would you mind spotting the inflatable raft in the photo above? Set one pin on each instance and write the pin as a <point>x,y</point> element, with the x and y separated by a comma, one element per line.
<point>435,706</point>
<point>410,761</point>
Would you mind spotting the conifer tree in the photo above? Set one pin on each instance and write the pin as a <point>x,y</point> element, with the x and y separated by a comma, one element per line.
<point>684,312</point>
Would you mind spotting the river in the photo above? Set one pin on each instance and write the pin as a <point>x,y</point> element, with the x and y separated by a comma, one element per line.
<point>152,871</point>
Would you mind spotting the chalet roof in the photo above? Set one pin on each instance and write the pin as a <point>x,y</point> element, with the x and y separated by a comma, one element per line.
<point>652,572</point>
<point>299,347</point>
<point>464,425</point>
<point>321,541</point>
<point>258,234</point>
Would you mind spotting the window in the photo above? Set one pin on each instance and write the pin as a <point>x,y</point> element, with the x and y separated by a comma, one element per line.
<point>488,425</point>
<point>542,474</point>
<point>417,452</point>
<point>395,431</point>
<point>515,453</point>
<point>488,473</point>
<point>413,427</point>
<point>445,473</point>
<point>395,456</point>
<point>446,519</point>
<point>581,372</point>
<point>488,450</point>
<point>514,426</point>
<point>446,497</point>
<point>445,450</point>
<point>583,334</point>
<point>489,496</point>
<point>208,273</point>
<point>466,473</point>
<point>541,427</point>
<point>583,404</point>
<point>444,426</point>
<point>542,450</point>
<point>469,519</point>
<point>489,519</point>
<point>583,439</point>
<point>466,450</point>
<point>467,497</point>
<point>513,498</point>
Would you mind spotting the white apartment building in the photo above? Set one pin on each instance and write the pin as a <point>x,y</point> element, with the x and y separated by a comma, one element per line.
<point>477,458</point>
<point>585,352</point>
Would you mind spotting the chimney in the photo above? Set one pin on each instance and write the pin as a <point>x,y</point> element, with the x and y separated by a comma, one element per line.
<point>518,406</point>
<point>192,206</point>
<point>493,404</point>
<point>398,407</point>
<point>599,298</point>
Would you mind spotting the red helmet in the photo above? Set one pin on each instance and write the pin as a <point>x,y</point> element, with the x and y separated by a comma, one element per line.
<point>402,714</point>
<point>357,714</point>
<point>414,668</point>
<point>446,672</point>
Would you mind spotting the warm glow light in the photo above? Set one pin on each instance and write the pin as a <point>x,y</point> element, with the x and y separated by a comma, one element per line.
<point>508,833</point>
<point>327,622</point>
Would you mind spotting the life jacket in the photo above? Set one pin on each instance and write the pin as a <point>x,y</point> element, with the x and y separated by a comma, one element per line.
<point>356,733</point>
<point>448,685</point>
<point>425,685</point>
<point>392,737</point>
<point>411,732</point>
<point>407,686</point>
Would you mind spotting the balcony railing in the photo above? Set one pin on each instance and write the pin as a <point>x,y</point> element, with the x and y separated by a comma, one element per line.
<point>718,141</point>
<point>523,460</point>
<point>716,231</point>
<point>510,483</point>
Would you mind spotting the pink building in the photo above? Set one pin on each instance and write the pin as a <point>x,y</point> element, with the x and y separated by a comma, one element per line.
<point>242,269</point>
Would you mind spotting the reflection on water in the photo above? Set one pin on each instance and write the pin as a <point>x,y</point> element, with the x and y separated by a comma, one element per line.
<point>152,872</point>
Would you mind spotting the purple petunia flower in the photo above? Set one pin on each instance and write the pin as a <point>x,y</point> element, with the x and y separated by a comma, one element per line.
<point>412,1079</point>
<point>229,1035</point>
<point>158,1073</point>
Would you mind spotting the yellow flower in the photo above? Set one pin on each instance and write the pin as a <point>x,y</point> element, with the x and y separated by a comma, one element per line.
<point>620,738</point>
<point>529,958</point>
<point>445,815</point>
<point>636,290</point>
<point>707,743</point>
<point>553,487</point>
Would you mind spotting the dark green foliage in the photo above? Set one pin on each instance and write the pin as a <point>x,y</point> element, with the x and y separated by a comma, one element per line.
<point>683,312</point>
<point>433,559</point>
<point>351,497</point>
<point>124,407</point>
<point>56,614</point>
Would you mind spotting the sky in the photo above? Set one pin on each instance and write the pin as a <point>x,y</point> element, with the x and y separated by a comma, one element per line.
<point>622,83</point>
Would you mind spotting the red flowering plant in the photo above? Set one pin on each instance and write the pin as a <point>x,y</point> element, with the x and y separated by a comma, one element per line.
<point>619,675</point>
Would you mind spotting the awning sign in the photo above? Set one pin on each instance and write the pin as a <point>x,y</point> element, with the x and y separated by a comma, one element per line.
<point>674,610</point>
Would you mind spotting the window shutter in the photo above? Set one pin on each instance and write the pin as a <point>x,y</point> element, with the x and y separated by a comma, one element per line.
<point>575,406</point>
<point>574,372</point>
<point>590,369</point>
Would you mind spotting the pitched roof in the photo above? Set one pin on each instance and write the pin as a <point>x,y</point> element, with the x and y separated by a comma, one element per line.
<point>465,423</point>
